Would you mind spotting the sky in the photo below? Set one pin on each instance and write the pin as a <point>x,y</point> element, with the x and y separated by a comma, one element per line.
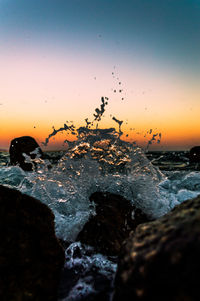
<point>59,57</point>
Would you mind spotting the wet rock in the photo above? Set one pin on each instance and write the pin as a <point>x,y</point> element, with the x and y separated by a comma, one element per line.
<point>22,147</point>
<point>31,257</point>
<point>160,261</point>
<point>115,218</point>
<point>194,154</point>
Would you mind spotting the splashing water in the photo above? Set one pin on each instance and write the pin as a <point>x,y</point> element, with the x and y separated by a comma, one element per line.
<point>97,161</point>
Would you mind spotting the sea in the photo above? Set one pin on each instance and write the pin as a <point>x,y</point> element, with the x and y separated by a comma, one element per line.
<point>99,160</point>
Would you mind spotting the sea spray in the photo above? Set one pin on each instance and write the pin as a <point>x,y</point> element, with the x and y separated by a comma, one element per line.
<point>98,160</point>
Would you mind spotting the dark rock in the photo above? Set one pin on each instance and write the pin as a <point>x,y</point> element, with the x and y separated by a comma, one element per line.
<point>24,145</point>
<point>31,257</point>
<point>194,154</point>
<point>160,261</point>
<point>112,223</point>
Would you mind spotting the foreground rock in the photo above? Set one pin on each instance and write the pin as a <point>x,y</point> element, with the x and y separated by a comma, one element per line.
<point>194,154</point>
<point>22,147</point>
<point>31,258</point>
<point>115,218</point>
<point>161,259</point>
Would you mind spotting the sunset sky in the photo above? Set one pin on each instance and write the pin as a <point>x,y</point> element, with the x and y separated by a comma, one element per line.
<point>59,57</point>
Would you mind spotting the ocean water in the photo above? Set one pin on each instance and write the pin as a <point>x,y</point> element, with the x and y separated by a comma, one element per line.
<point>100,161</point>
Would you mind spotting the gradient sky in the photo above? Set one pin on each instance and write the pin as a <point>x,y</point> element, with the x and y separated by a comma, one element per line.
<point>57,58</point>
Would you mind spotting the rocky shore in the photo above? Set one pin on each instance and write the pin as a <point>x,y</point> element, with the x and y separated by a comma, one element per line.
<point>159,259</point>
<point>156,259</point>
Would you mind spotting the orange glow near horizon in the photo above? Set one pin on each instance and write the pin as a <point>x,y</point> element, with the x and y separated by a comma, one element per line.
<point>38,92</point>
<point>181,139</point>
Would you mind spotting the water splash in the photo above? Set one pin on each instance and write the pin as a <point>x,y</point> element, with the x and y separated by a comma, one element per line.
<point>98,160</point>
<point>78,133</point>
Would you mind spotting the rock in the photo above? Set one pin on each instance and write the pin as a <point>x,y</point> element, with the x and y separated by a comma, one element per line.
<point>194,154</point>
<point>24,145</point>
<point>115,217</point>
<point>160,261</point>
<point>31,257</point>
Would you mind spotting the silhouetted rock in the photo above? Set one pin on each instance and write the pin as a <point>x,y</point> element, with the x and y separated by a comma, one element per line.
<point>194,154</point>
<point>115,218</point>
<point>31,257</point>
<point>160,261</point>
<point>24,145</point>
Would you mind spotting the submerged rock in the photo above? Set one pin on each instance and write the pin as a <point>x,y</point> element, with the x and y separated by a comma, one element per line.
<point>160,261</point>
<point>21,148</point>
<point>115,218</point>
<point>194,154</point>
<point>31,257</point>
